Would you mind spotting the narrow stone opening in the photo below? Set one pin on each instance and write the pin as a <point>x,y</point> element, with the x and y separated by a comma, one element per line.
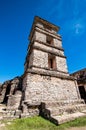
<point>6,94</point>
<point>49,40</point>
<point>82,93</point>
<point>51,62</point>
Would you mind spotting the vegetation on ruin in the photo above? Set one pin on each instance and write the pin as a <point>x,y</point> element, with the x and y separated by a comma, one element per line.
<point>38,123</point>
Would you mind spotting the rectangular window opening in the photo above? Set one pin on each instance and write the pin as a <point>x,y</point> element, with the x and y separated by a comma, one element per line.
<point>51,62</point>
<point>49,40</point>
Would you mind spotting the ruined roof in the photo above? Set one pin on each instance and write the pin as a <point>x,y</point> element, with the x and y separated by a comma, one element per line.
<point>79,71</point>
<point>44,22</point>
<point>80,76</point>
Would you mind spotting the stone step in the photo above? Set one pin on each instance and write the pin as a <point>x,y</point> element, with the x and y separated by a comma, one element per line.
<point>10,113</point>
<point>65,113</point>
<point>67,109</point>
<point>62,103</point>
<point>6,113</point>
<point>66,117</point>
<point>10,117</point>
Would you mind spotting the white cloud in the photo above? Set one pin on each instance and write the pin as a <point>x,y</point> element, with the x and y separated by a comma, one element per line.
<point>78,28</point>
<point>75,27</point>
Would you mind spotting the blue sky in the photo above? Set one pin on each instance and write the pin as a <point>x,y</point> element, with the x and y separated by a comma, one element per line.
<point>16,17</point>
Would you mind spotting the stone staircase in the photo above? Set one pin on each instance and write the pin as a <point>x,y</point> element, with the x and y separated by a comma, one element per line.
<point>63,111</point>
<point>30,109</point>
<point>8,113</point>
<point>57,112</point>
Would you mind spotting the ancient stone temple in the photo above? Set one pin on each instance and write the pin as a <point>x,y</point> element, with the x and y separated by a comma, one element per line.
<point>45,88</point>
<point>81,81</point>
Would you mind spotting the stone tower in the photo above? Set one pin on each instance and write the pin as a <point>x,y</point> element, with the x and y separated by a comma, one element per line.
<point>48,88</point>
<point>46,77</point>
<point>45,88</point>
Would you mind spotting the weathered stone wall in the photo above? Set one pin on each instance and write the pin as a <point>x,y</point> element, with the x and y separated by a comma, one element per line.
<point>40,32</point>
<point>14,100</point>
<point>3,90</point>
<point>61,64</point>
<point>31,59</point>
<point>45,88</point>
<point>2,95</point>
<point>11,93</point>
<point>40,25</point>
<point>40,58</point>
<point>80,77</point>
<point>48,48</point>
<point>57,42</point>
<point>40,36</point>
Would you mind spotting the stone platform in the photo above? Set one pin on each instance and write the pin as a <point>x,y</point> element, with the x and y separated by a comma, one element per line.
<point>61,112</point>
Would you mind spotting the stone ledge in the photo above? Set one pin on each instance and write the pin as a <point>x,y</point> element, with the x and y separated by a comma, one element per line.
<point>61,103</point>
<point>31,104</point>
<point>66,118</point>
<point>47,51</point>
<point>48,69</point>
<point>39,29</point>
<point>49,74</point>
<point>50,45</point>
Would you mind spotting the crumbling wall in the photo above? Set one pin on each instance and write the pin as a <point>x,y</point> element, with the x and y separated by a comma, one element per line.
<point>11,93</point>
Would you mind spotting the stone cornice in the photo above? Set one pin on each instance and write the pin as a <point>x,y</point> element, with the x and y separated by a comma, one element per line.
<point>55,35</point>
<point>47,23</point>
<point>47,51</point>
<point>53,46</point>
<point>44,22</point>
<point>43,31</point>
<point>48,74</point>
<point>48,69</point>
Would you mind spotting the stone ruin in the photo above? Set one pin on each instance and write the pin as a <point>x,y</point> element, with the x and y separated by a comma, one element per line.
<point>81,81</point>
<point>45,88</point>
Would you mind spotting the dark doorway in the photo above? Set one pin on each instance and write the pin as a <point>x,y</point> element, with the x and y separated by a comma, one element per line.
<point>6,94</point>
<point>82,92</point>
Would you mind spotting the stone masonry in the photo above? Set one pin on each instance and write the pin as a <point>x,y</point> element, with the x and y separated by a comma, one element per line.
<point>41,82</point>
<point>81,81</point>
<point>45,88</point>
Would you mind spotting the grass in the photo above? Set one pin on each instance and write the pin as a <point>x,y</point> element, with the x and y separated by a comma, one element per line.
<point>38,123</point>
